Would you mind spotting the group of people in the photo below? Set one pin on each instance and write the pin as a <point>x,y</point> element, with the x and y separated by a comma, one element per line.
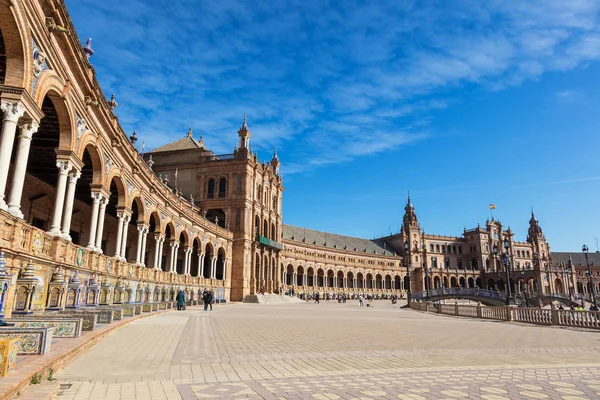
<point>208,298</point>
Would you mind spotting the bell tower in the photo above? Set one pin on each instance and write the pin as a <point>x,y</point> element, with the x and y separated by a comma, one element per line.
<point>536,238</point>
<point>244,134</point>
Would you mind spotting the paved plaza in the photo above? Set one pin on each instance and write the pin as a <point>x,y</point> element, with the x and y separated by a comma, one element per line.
<point>333,351</point>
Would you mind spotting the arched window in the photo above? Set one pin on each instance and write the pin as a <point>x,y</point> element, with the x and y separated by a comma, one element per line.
<point>211,189</point>
<point>273,232</point>
<point>454,249</point>
<point>222,188</point>
<point>257,225</point>
<point>443,249</point>
<point>266,229</point>
<point>459,249</point>
<point>431,248</point>
<point>437,248</point>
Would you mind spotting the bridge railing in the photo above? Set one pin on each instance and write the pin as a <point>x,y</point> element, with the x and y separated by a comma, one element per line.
<point>458,292</point>
<point>538,316</point>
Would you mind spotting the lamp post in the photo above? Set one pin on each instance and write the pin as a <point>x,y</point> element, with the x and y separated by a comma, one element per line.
<point>506,260</point>
<point>589,274</point>
<point>426,280</point>
<point>407,249</point>
<point>495,249</point>
<point>547,271</point>
<point>570,273</point>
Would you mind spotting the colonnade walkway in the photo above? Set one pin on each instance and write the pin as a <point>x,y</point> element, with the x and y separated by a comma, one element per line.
<point>333,351</point>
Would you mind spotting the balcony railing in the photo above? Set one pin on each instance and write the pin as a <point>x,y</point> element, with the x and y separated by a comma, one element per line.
<point>268,242</point>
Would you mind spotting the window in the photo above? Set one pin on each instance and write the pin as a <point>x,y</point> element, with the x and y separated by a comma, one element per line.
<point>447,262</point>
<point>454,249</point>
<point>459,249</point>
<point>431,248</point>
<point>211,189</point>
<point>434,262</point>
<point>460,265</point>
<point>222,188</point>
<point>443,249</point>
<point>437,248</point>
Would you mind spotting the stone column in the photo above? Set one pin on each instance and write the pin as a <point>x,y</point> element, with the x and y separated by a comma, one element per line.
<point>100,227</point>
<point>173,256</point>
<point>68,212</point>
<point>199,254</point>
<point>121,218</point>
<point>188,261</point>
<point>157,239</point>
<point>12,113</point>
<point>124,240</point>
<point>18,179</point>
<point>140,238</point>
<point>94,221</point>
<point>213,269</point>
<point>143,255</point>
<point>63,169</point>
<point>160,252</point>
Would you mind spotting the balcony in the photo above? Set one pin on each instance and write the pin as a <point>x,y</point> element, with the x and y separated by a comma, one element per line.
<point>268,242</point>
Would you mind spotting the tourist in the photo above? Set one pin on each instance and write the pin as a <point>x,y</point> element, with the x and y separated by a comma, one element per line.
<point>205,299</point>
<point>180,300</point>
<point>317,295</point>
<point>210,298</point>
<point>361,300</point>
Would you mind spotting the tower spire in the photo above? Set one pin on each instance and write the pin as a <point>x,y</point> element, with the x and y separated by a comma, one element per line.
<point>244,134</point>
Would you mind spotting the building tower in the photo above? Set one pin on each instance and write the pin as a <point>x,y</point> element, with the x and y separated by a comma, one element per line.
<point>412,233</point>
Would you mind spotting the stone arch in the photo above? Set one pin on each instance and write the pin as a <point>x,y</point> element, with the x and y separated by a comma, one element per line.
<point>66,115</point>
<point>470,282</point>
<point>462,282</point>
<point>453,282</point>
<point>387,281</point>
<point>436,282</point>
<point>378,281</point>
<point>329,277</point>
<point>289,275</point>
<point>17,46</point>
<point>154,217</point>
<point>186,237</point>
<point>340,278</point>
<point>300,275</point>
<point>369,281</point>
<point>220,265</point>
<point>310,276</point>
<point>350,280</point>
<point>141,209</point>
<point>208,255</point>
<point>95,155</point>
<point>121,195</point>
<point>320,278</point>
<point>195,261</point>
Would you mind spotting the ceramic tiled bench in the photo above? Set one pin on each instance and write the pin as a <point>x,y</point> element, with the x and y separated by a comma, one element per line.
<point>32,341</point>
<point>8,351</point>
<point>63,327</point>
<point>89,316</point>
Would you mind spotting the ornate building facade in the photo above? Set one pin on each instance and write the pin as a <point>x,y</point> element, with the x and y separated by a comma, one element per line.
<point>77,199</point>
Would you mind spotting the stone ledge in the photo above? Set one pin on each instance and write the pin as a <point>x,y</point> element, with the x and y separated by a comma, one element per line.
<point>66,350</point>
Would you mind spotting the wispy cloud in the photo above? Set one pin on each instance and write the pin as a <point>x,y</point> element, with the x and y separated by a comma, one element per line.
<point>323,83</point>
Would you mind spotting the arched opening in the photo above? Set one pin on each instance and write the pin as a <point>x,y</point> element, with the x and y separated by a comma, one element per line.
<point>558,286</point>
<point>340,279</point>
<point>222,188</point>
<point>462,282</point>
<point>478,283</point>
<point>208,260</point>
<point>378,282</point>
<point>265,228</point>
<point>111,220</point>
<point>388,282</point>
<point>369,281</point>
<point>180,255</point>
<point>330,276</point>
<point>300,276</point>
<point>256,225</point>
<point>350,280</point>
<point>39,189</point>
<point>445,282</point>
<point>195,262</point>
<point>471,282</point>
<point>210,193</point>
<point>436,282</point>
<point>289,278</point>
<point>453,282</point>
<point>491,285</point>
<point>311,277</point>
<point>217,216</point>
<point>320,278</point>
<point>220,272</point>
<point>360,280</point>
<point>152,245</point>
<point>170,238</point>
<point>397,282</point>
<point>273,232</point>
<point>406,285</point>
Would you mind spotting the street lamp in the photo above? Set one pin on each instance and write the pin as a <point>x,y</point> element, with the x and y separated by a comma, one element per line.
<point>506,260</point>
<point>570,273</point>
<point>547,271</point>
<point>495,250</point>
<point>427,280</point>
<point>589,274</point>
<point>407,249</point>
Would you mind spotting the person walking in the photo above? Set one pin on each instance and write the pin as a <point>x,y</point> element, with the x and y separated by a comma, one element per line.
<point>180,300</point>
<point>317,295</point>
<point>361,300</point>
<point>205,299</point>
<point>210,299</point>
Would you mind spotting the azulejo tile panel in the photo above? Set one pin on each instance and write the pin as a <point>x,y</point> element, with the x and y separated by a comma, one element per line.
<point>31,340</point>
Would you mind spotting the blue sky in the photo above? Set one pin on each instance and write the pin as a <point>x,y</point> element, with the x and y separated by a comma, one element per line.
<point>464,103</point>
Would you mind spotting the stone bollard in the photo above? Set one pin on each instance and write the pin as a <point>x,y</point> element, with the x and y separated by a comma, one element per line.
<point>455,307</point>
<point>478,309</point>
<point>555,319</point>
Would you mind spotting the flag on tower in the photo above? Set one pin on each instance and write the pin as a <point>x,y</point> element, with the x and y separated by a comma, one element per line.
<point>492,207</point>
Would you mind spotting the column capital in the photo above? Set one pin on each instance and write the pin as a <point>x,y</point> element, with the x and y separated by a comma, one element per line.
<point>13,110</point>
<point>96,197</point>
<point>28,129</point>
<point>74,176</point>
<point>64,167</point>
<point>159,236</point>
<point>142,228</point>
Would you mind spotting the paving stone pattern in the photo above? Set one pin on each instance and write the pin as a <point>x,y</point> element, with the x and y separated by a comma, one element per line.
<point>333,351</point>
